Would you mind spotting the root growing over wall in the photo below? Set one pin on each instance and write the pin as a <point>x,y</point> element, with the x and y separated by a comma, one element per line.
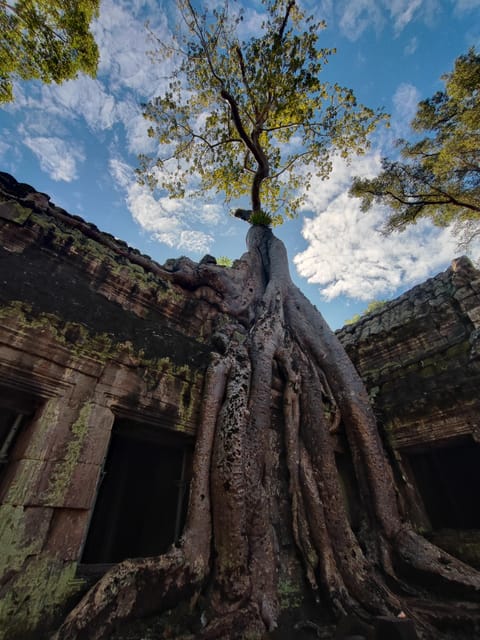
<point>230,553</point>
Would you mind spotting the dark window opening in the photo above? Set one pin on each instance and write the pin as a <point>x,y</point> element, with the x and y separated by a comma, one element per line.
<point>141,504</point>
<point>15,407</point>
<point>448,479</point>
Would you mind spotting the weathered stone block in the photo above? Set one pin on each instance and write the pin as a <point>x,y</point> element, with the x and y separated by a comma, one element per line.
<point>21,481</point>
<point>69,485</point>
<point>23,531</point>
<point>14,212</point>
<point>67,533</point>
<point>95,443</point>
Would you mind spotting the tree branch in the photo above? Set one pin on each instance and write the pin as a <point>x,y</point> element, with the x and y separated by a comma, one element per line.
<point>20,16</point>
<point>197,29</point>
<point>288,9</point>
<point>253,144</point>
<point>246,83</point>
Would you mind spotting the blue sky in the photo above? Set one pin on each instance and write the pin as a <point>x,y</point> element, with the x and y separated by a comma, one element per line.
<point>79,142</point>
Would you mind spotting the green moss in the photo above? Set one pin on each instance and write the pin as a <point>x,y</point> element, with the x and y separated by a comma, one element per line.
<point>117,265</point>
<point>62,477</point>
<point>289,594</point>
<point>187,399</point>
<point>34,596</point>
<point>73,335</point>
<point>15,545</point>
<point>81,343</point>
<point>15,212</point>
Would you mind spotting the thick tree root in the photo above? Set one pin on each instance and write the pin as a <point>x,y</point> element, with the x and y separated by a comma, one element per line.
<point>132,589</point>
<point>230,550</point>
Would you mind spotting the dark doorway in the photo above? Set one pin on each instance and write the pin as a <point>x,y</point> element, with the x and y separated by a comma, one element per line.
<point>142,499</point>
<point>15,410</point>
<point>448,479</point>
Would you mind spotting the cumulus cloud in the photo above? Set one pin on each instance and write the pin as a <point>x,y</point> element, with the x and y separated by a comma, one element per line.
<point>83,97</point>
<point>59,158</point>
<point>347,255</point>
<point>125,78</point>
<point>165,219</point>
<point>124,44</point>
<point>136,127</point>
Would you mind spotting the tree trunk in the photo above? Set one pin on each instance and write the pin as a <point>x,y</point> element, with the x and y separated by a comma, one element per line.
<point>243,555</point>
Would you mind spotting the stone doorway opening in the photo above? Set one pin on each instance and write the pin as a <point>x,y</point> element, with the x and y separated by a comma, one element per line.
<point>16,408</point>
<point>448,478</point>
<point>142,500</point>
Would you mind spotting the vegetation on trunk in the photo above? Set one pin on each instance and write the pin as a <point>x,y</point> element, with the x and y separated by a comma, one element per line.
<point>269,526</point>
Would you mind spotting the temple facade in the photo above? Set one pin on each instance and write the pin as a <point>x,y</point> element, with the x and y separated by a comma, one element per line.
<point>102,360</point>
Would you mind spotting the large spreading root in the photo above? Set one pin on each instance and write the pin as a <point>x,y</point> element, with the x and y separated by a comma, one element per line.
<point>229,552</point>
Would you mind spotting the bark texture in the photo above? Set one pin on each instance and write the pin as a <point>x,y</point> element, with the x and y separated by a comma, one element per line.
<point>228,566</point>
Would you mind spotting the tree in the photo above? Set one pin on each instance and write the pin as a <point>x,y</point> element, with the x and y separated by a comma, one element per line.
<point>48,40</point>
<point>268,527</point>
<point>256,118</point>
<point>438,176</point>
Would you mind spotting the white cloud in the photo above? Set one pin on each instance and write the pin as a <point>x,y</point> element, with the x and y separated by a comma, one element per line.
<point>83,97</point>
<point>124,44</point>
<point>57,157</point>
<point>346,253</point>
<point>357,16</point>
<point>463,6</point>
<point>322,192</point>
<point>136,127</point>
<point>360,15</point>
<point>4,147</point>
<point>125,77</point>
<point>405,103</point>
<point>10,155</point>
<point>411,46</point>
<point>196,241</point>
<point>121,172</point>
<point>403,11</point>
<point>211,214</point>
<point>165,219</point>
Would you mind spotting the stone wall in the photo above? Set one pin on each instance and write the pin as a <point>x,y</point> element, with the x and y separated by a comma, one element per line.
<point>419,356</point>
<point>101,347</point>
<point>91,334</point>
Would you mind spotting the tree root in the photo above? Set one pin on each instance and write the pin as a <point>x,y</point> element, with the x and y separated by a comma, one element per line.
<point>230,550</point>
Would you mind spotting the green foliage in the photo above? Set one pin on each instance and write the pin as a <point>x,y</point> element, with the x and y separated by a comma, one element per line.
<point>48,40</point>
<point>261,218</point>
<point>439,175</point>
<point>375,305</point>
<point>224,261</point>
<point>240,117</point>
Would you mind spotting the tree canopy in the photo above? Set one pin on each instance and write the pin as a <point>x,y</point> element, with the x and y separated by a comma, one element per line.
<point>438,175</point>
<point>251,117</point>
<point>47,40</point>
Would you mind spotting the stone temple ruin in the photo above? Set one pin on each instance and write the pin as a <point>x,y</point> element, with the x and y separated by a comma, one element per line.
<point>102,358</point>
